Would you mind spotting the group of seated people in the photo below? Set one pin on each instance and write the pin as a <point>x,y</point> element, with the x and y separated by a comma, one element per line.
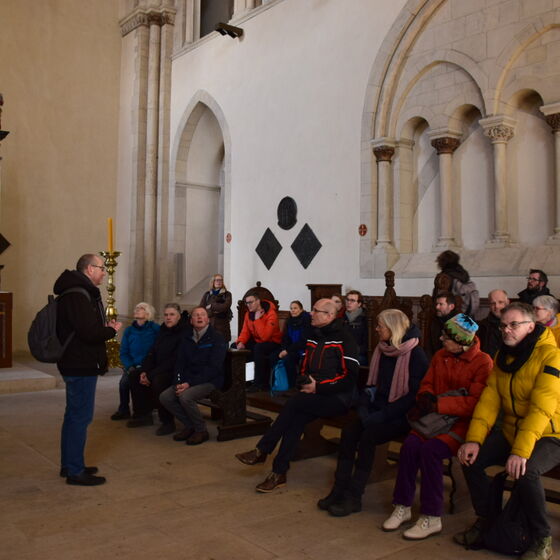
<point>496,384</point>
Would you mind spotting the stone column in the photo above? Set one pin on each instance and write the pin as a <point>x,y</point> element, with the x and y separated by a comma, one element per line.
<point>552,114</point>
<point>500,130</point>
<point>383,156</point>
<point>150,115</point>
<point>445,143</point>
<point>385,254</point>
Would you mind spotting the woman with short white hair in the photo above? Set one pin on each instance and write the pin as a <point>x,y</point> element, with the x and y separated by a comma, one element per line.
<point>546,310</point>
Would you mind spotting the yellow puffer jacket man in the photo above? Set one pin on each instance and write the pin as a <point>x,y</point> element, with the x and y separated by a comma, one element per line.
<point>530,398</point>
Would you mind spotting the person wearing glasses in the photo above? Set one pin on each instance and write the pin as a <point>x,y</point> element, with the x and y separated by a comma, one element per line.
<point>536,286</point>
<point>525,385</point>
<point>356,320</point>
<point>262,335</point>
<point>80,315</point>
<point>327,385</point>
<point>452,386</point>
<point>546,311</point>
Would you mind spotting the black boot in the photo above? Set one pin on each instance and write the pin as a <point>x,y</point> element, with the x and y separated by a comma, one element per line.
<point>335,496</point>
<point>346,506</point>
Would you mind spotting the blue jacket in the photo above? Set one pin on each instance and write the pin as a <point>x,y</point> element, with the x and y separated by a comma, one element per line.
<point>201,362</point>
<point>136,341</point>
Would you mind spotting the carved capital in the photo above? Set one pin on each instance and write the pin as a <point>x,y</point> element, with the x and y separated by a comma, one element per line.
<point>383,153</point>
<point>141,18</point>
<point>554,121</point>
<point>499,134</point>
<point>445,144</point>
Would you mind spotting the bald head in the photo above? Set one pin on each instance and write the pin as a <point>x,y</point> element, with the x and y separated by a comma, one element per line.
<point>497,300</point>
<point>323,312</point>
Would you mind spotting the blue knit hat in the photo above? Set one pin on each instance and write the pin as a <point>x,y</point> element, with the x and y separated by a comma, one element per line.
<point>461,329</point>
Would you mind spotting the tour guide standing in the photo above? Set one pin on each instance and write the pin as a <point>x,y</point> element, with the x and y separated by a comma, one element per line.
<point>327,384</point>
<point>524,383</point>
<point>81,314</point>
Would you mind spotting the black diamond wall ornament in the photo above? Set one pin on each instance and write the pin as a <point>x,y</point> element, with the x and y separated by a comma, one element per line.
<point>268,248</point>
<point>4,243</point>
<point>306,246</point>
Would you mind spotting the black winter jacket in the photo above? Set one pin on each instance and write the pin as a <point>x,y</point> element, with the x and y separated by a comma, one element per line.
<point>331,358</point>
<point>202,362</point>
<point>86,354</point>
<point>163,354</point>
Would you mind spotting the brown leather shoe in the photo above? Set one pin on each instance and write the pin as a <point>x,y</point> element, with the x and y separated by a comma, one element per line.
<point>252,457</point>
<point>183,435</point>
<point>271,482</point>
<point>198,437</point>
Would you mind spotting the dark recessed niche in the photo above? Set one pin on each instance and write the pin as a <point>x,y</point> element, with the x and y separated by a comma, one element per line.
<point>268,248</point>
<point>306,246</point>
<point>287,213</point>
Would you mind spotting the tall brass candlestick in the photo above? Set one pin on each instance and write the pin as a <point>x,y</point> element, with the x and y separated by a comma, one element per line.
<point>113,345</point>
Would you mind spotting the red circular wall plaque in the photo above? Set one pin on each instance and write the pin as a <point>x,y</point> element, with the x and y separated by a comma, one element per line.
<point>362,230</point>
<point>228,238</point>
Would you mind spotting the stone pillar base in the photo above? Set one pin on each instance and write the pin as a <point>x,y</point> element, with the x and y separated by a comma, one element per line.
<point>554,239</point>
<point>445,243</point>
<point>498,242</point>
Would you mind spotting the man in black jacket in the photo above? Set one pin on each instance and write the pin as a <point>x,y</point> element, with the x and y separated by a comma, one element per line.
<point>198,371</point>
<point>327,384</point>
<point>81,315</point>
<point>536,286</point>
<point>489,332</point>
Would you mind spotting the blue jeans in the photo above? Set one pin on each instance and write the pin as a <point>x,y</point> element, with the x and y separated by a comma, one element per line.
<point>80,401</point>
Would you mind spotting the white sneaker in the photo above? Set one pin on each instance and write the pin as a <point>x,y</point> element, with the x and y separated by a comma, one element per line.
<point>425,526</point>
<point>398,517</point>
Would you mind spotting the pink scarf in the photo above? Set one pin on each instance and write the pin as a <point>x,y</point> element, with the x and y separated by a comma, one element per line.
<point>399,385</point>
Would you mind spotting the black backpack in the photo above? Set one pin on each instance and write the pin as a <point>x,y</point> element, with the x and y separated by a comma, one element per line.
<point>507,529</point>
<point>41,338</point>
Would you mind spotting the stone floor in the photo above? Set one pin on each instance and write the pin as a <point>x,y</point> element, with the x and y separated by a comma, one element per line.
<point>166,500</point>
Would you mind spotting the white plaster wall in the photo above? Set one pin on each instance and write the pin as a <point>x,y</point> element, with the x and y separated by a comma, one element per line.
<point>206,152</point>
<point>292,94</point>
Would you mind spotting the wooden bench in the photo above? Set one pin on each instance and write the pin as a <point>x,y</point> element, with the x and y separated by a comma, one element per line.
<point>229,405</point>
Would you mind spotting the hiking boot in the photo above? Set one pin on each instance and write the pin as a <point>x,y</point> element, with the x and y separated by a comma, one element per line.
<point>271,482</point>
<point>252,457</point>
<point>120,415</point>
<point>541,549</point>
<point>397,518</point>
<point>165,429</point>
<point>335,496</point>
<point>345,507</point>
<point>472,537</point>
<point>183,435</point>
<point>136,422</point>
<point>425,526</point>
<point>198,437</point>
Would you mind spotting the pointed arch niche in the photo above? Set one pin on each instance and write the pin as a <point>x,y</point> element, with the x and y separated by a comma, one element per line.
<point>199,204</point>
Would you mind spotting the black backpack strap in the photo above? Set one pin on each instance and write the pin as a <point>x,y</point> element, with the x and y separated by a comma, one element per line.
<point>76,290</point>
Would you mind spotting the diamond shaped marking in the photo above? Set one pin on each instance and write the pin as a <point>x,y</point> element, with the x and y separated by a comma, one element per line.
<point>306,246</point>
<point>268,248</point>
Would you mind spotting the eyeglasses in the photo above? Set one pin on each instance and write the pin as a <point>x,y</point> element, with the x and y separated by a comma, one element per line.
<point>315,310</point>
<point>533,279</point>
<point>102,268</point>
<point>250,302</point>
<point>352,300</point>
<point>537,308</point>
<point>513,326</point>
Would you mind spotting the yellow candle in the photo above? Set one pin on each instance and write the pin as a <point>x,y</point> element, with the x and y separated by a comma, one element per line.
<point>110,235</point>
